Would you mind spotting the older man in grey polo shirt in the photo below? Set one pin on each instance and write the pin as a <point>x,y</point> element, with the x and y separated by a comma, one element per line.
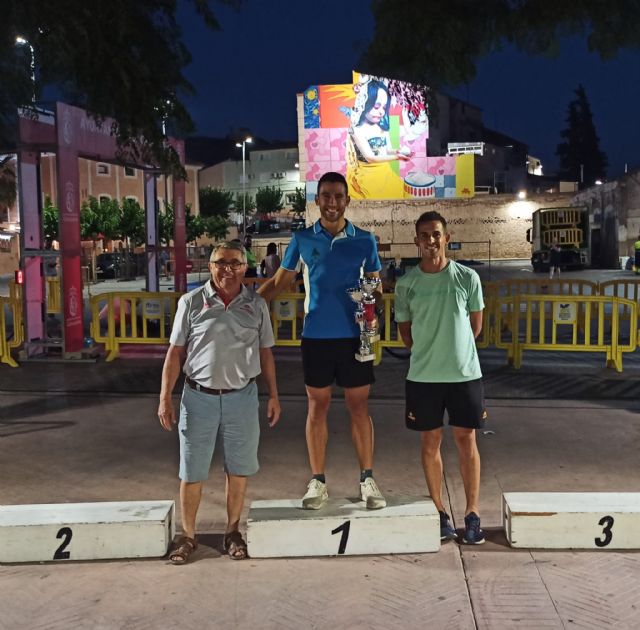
<point>222,333</point>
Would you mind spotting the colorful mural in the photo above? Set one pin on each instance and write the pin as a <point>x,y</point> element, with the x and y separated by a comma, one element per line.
<point>374,131</point>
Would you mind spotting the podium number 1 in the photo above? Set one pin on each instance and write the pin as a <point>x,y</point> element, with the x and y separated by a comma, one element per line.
<point>344,528</point>
<point>66,534</point>
<point>607,523</point>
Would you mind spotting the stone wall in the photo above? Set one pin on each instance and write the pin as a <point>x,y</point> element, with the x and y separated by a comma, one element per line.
<point>500,219</point>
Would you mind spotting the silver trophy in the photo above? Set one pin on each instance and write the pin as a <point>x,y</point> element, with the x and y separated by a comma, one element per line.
<point>365,316</point>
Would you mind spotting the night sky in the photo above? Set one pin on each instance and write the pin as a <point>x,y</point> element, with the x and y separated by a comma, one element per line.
<point>248,75</point>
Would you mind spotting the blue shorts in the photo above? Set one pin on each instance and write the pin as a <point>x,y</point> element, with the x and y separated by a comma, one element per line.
<point>233,417</point>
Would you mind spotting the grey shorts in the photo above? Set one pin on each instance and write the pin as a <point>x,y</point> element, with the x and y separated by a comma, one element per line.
<point>232,417</point>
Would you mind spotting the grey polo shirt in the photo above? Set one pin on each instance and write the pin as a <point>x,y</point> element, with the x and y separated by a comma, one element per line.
<point>223,343</point>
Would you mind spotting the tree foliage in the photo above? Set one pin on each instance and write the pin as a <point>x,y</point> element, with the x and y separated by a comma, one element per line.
<point>50,221</point>
<point>439,42</point>
<point>7,183</point>
<point>215,202</point>
<point>115,58</point>
<point>249,203</point>
<point>580,156</point>
<point>165,224</point>
<point>132,227</point>
<point>100,219</point>
<point>268,200</point>
<point>299,203</point>
<point>215,227</point>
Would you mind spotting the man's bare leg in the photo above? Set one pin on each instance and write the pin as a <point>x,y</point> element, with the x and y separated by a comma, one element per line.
<point>190,495</point>
<point>357,401</point>
<point>432,465</point>
<point>235,490</point>
<point>316,431</point>
<point>469,466</point>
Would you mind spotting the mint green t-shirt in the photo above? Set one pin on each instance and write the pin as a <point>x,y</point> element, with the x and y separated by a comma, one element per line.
<point>438,307</point>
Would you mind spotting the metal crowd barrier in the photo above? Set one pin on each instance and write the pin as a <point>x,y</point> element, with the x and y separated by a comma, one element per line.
<point>623,288</point>
<point>565,323</point>
<point>53,294</point>
<point>11,337</point>
<point>132,318</point>
<point>519,315</point>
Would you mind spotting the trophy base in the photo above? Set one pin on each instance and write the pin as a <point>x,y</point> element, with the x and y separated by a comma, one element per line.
<point>363,358</point>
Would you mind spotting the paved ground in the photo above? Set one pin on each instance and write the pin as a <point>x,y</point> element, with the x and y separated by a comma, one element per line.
<point>76,433</point>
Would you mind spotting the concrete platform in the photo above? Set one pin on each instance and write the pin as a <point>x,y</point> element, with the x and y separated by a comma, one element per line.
<point>73,447</point>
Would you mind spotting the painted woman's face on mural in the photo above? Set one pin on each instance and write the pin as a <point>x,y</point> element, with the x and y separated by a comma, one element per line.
<point>332,200</point>
<point>376,113</point>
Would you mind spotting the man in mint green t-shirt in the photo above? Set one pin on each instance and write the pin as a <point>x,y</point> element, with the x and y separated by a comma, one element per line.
<point>438,308</point>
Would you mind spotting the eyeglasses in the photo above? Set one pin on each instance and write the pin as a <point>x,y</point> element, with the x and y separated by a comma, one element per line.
<point>231,264</point>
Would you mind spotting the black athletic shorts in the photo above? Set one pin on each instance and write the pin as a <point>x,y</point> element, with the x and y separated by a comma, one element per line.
<point>327,360</point>
<point>427,402</point>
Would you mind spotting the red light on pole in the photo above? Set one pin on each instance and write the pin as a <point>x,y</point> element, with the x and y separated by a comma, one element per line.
<point>19,276</point>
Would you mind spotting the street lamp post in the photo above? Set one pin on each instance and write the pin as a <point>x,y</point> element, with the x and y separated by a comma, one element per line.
<point>244,184</point>
<point>21,41</point>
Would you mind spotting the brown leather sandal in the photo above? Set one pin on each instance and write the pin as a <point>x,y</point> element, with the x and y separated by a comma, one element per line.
<point>182,550</point>
<point>235,546</point>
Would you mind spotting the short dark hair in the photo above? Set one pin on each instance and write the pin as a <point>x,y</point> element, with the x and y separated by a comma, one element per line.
<point>432,215</point>
<point>333,178</point>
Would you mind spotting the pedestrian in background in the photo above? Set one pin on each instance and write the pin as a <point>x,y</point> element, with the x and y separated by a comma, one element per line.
<point>555,260</point>
<point>271,262</point>
<point>252,262</point>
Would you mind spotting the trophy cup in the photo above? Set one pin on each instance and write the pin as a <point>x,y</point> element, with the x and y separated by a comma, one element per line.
<point>365,316</point>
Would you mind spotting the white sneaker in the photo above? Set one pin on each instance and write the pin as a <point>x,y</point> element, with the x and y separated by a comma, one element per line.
<point>316,495</point>
<point>371,494</point>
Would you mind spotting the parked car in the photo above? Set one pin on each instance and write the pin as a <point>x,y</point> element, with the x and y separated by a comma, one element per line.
<point>298,224</point>
<point>108,265</point>
<point>264,226</point>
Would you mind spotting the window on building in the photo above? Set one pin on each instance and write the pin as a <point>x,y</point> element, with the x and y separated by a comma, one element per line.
<point>129,171</point>
<point>103,169</point>
<point>132,198</point>
<point>104,198</point>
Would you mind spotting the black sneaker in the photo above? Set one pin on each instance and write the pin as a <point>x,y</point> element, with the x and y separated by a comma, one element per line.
<point>473,535</point>
<point>447,532</point>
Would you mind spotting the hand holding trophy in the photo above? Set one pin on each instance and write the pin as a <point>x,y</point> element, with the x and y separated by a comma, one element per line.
<point>365,316</point>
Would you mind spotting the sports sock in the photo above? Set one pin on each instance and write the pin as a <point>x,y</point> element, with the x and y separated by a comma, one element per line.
<point>320,477</point>
<point>367,472</point>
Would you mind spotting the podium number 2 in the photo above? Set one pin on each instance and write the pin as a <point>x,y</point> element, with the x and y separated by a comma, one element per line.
<point>66,534</point>
<point>344,528</point>
<point>607,523</point>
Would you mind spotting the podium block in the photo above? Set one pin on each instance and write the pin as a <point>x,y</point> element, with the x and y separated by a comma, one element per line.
<point>281,528</point>
<point>572,520</point>
<point>86,531</point>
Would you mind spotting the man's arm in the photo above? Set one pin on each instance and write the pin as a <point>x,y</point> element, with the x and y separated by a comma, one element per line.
<point>276,285</point>
<point>476,323</point>
<point>268,367</point>
<point>170,373</point>
<point>404,328</point>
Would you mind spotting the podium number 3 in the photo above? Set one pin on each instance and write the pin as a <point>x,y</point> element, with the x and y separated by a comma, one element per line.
<point>344,529</point>
<point>607,523</point>
<point>66,534</point>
